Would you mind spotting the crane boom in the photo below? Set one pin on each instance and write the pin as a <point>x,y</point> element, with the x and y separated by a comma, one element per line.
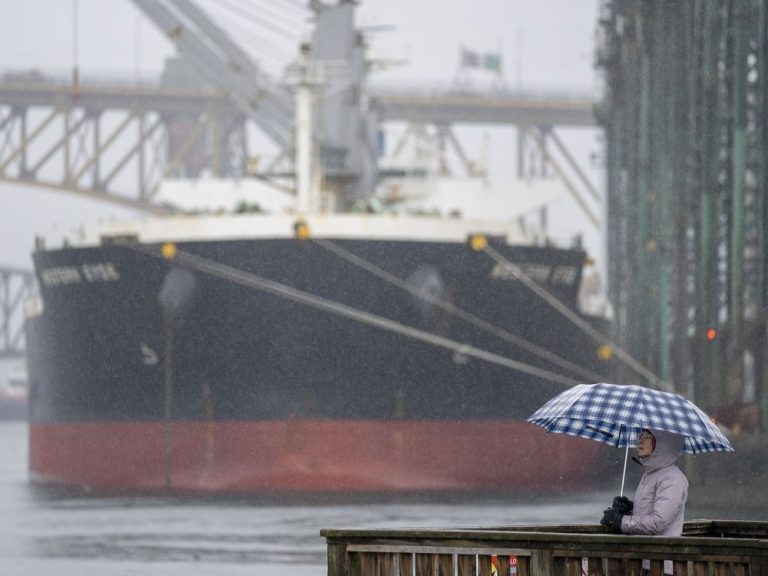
<point>221,62</point>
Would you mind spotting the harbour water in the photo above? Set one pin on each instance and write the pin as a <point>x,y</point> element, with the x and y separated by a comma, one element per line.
<point>43,533</point>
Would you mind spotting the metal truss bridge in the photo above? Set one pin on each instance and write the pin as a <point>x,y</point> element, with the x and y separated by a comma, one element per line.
<point>118,142</point>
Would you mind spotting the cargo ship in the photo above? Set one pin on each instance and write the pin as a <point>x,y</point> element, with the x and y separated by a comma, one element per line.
<point>342,352</point>
<point>310,348</point>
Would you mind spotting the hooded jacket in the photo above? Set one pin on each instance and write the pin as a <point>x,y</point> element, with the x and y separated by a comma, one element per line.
<point>659,504</point>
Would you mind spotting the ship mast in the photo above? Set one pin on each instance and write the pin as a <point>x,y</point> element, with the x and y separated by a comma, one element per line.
<point>307,186</point>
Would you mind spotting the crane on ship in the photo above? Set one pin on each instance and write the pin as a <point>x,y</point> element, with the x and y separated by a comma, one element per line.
<point>344,143</point>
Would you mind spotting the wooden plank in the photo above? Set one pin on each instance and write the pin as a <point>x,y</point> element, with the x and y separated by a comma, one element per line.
<point>424,549</point>
<point>694,530</point>
<point>542,563</point>
<point>387,564</point>
<point>484,565</point>
<point>680,568</point>
<point>701,568</point>
<point>615,566</point>
<point>595,566</point>
<point>572,566</point>
<point>657,567</point>
<point>758,567</point>
<point>406,564</point>
<point>445,565</point>
<point>369,564</point>
<point>737,569</point>
<point>503,564</point>
<point>426,564</point>
<point>354,566</point>
<point>467,565</point>
<point>336,559</point>
<point>632,566</point>
<point>523,566</point>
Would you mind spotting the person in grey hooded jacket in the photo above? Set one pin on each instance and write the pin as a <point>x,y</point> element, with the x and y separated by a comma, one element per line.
<point>659,505</point>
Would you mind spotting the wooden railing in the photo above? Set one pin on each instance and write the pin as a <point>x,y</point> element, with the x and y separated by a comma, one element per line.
<point>707,548</point>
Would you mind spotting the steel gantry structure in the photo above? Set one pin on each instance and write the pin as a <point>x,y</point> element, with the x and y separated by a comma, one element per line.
<point>687,155</point>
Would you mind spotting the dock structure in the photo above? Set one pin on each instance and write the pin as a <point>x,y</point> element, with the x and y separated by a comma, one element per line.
<point>707,547</point>
<point>687,198</point>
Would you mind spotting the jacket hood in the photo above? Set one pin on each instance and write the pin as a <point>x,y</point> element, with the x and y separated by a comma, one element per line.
<point>668,448</point>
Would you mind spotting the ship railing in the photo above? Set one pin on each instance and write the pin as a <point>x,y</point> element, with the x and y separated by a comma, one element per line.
<point>707,548</point>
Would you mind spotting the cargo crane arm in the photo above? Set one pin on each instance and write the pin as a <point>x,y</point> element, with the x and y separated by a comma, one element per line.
<point>221,62</point>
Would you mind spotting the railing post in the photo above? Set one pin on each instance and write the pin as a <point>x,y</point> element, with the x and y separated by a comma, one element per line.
<point>541,563</point>
<point>337,559</point>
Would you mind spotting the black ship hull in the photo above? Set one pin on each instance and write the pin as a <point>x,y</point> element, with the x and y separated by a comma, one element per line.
<point>145,373</point>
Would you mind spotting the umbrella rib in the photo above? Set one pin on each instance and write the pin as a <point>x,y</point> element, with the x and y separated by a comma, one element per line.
<point>594,429</point>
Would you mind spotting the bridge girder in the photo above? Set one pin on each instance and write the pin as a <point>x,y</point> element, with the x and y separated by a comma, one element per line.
<point>101,140</point>
<point>116,144</point>
<point>16,286</point>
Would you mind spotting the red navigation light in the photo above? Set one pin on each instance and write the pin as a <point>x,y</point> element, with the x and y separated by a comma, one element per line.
<point>711,334</point>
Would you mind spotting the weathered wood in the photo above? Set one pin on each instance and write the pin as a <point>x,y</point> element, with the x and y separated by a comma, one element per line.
<point>680,568</point>
<point>467,565</point>
<point>523,565</point>
<point>354,565</point>
<point>406,564</point>
<point>615,566</point>
<point>445,564</point>
<point>337,557</point>
<point>503,564</point>
<point>541,563</point>
<point>422,549</point>
<point>425,564</point>
<point>595,566</point>
<point>484,565</point>
<point>700,568</point>
<point>709,548</point>
<point>632,567</point>
<point>369,564</point>
<point>571,567</point>
<point>737,569</point>
<point>387,565</point>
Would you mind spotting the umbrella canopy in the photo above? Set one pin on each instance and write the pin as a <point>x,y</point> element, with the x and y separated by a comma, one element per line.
<point>615,414</point>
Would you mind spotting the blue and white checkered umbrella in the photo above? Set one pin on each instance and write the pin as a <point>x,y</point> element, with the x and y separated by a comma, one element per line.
<point>615,414</point>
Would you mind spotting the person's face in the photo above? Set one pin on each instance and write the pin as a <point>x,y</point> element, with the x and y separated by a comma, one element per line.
<point>644,444</point>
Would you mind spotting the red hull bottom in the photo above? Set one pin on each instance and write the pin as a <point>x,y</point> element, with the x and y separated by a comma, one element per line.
<point>309,456</point>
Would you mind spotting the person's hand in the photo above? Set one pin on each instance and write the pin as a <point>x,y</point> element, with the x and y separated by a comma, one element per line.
<point>612,519</point>
<point>622,505</point>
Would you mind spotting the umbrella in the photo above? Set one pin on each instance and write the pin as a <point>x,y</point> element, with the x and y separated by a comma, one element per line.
<point>615,414</point>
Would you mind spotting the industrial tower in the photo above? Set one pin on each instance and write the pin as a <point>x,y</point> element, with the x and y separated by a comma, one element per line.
<point>687,153</point>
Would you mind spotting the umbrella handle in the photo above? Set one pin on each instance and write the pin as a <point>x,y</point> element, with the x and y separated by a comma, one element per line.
<point>624,474</point>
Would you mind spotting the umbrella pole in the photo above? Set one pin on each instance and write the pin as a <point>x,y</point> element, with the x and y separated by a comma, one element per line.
<point>624,474</point>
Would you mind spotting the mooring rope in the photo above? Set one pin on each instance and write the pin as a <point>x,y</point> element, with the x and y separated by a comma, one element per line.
<point>250,280</point>
<point>455,310</point>
<point>580,323</point>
